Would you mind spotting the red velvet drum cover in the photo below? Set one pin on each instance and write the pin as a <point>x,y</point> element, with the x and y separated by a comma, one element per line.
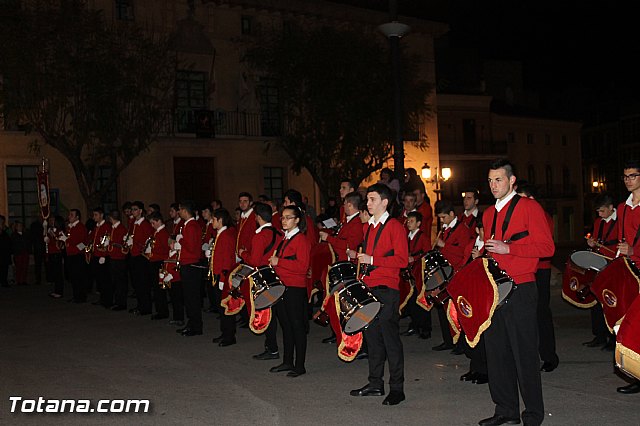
<point>616,287</point>
<point>628,341</point>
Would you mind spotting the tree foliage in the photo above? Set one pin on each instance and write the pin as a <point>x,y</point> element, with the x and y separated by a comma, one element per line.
<point>336,98</point>
<point>97,93</point>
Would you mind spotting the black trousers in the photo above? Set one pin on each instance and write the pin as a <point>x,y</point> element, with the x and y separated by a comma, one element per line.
<point>292,315</point>
<point>55,273</point>
<point>228,327</point>
<point>444,324</point>
<point>119,287</point>
<point>512,356</point>
<point>103,281</point>
<point>78,276</point>
<point>159,294</point>
<point>477,355</point>
<point>547,346</point>
<point>383,341</point>
<point>191,287</point>
<point>420,318</point>
<point>598,325</point>
<point>177,301</point>
<point>140,281</point>
<point>271,334</point>
<point>38,260</point>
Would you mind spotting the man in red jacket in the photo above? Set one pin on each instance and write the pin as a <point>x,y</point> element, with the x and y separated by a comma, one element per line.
<point>139,232</point>
<point>74,240</point>
<point>99,259</point>
<point>158,253</point>
<point>385,252</point>
<point>518,237</point>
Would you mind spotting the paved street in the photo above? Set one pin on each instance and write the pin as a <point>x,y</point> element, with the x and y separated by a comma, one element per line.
<point>60,350</point>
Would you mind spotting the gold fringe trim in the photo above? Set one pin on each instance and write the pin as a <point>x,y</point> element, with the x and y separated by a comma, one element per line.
<point>225,302</point>
<point>253,312</point>
<point>494,304</point>
<point>623,356</point>
<point>455,329</point>
<point>406,300</point>
<point>342,344</point>
<point>579,305</point>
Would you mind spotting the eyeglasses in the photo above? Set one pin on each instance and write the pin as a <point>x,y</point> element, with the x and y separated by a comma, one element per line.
<point>134,209</point>
<point>632,176</point>
<point>287,217</point>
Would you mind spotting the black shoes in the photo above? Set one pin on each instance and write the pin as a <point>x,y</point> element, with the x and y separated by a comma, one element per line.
<point>177,323</point>
<point>331,339</point>
<point>367,390</point>
<point>629,389</point>
<point>595,342</point>
<point>457,350</point>
<point>425,335</point>
<point>410,332</point>
<point>548,366</point>
<point>475,377</point>
<point>217,339</point>
<point>267,355</point>
<point>394,398</point>
<point>442,347</point>
<point>118,308</point>
<point>296,373</point>
<point>281,367</point>
<point>159,316</point>
<point>224,343</point>
<point>362,355</point>
<point>468,376</point>
<point>499,420</point>
<point>188,332</point>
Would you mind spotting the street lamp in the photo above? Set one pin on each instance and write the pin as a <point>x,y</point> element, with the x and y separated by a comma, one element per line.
<point>437,179</point>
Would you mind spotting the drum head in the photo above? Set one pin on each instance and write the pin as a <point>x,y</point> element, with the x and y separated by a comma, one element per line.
<point>438,277</point>
<point>361,317</point>
<point>589,260</point>
<point>504,290</point>
<point>268,296</point>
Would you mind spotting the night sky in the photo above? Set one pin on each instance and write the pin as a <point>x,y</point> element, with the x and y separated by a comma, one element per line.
<point>566,44</point>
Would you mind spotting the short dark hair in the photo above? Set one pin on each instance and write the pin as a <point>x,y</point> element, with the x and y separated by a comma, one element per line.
<point>264,197</point>
<point>474,191</point>
<point>382,189</point>
<point>297,212</point>
<point>443,207</point>
<point>503,163</point>
<point>115,214</point>
<point>363,206</point>
<point>295,197</point>
<point>631,163</point>
<point>526,188</point>
<point>263,211</point>
<point>174,206</point>
<point>245,194</point>
<point>188,205</point>
<point>217,201</point>
<point>77,212</point>
<point>138,204</point>
<point>126,205</point>
<point>155,215</point>
<point>416,214</point>
<point>602,200</point>
<point>155,206</point>
<point>353,198</point>
<point>98,210</point>
<point>223,215</point>
<point>351,183</point>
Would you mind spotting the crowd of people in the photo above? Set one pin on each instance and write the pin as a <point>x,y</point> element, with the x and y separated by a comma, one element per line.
<point>190,261</point>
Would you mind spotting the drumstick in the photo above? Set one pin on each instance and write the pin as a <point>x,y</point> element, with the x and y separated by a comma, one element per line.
<point>599,245</point>
<point>358,265</point>
<point>437,236</point>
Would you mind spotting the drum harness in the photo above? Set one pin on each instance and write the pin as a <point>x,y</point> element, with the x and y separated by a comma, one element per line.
<point>369,268</point>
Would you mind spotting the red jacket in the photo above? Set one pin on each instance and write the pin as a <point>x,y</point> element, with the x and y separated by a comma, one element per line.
<point>224,252</point>
<point>456,241</point>
<point>160,248</point>
<point>471,221</point>
<point>141,233</point>
<point>190,243</point>
<point>53,233</point>
<point>95,236</point>
<point>427,217</point>
<point>116,242</point>
<point>246,230</point>
<point>293,260</point>
<point>419,245</point>
<point>77,234</point>
<point>390,253</point>
<point>629,222</point>
<point>522,261</point>
<point>263,245</point>
<point>350,235</point>
<point>606,233</point>
<point>174,227</point>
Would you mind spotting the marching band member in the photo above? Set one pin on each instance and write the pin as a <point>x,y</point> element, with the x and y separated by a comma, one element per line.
<point>291,263</point>
<point>208,237</point>
<point>55,271</point>
<point>139,232</point>
<point>346,187</point>
<point>471,215</point>
<point>385,253</point>
<point>546,333</point>
<point>117,263</point>
<point>604,240</point>
<point>629,231</point>
<point>74,246</point>
<point>265,240</point>
<point>158,251</point>
<point>408,206</point>
<point>174,279</point>
<point>419,244</point>
<point>452,244</point>
<point>222,255</point>
<point>247,225</point>
<point>294,198</point>
<point>423,206</point>
<point>512,339</point>
<point>175,222</point>
<point>189,243</point>
<point>99,256</point>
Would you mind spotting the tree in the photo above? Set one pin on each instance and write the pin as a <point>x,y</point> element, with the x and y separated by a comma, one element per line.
<point>336,100</point>
<point>98,94</point>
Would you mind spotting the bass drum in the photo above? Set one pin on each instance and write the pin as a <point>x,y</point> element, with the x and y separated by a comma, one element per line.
<point>358,307</point>
<point>436,270</point>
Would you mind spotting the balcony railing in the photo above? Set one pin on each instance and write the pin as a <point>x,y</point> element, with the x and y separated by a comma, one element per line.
<point>206,123</point>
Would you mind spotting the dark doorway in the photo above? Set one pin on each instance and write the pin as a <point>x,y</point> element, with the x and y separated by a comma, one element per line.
<point>194,179</point>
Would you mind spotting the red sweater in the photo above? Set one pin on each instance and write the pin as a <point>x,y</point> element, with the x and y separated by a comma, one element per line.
<point>224,252</point>
<point>141,232</point>
<point>257,256</point>
<point>456,241</point>
<point>427,217</point>
<point>52,246</point>
<point>390,253</point>
<point>419,245</point>
<point>175,227</point>
<point>116,242</point>
<point>629,221</point>
<point>77,234</point>
<point>95,236</point>
<point>522,261</point>
<point>350,235</point>
<point>293,260</point>
<point>470,221</point>
<point>606,233</point>
<point>190,243</point>
<point>246,230</point>
<point>160,249</point>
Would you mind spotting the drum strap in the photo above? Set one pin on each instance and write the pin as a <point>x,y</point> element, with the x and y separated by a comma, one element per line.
<point>624,215</point>
<point>413,243</point>
<point>507,218</point>
<point>273,239</point>
<point>375,241</point>
<point>283,245</point>
<point>450,231</point>
<point>605,238</point>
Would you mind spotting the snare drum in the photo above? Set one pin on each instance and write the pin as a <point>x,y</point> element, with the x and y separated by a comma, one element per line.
<point>340,273</point>
<point>576,283</point>
<point>267,287</point>
<point>436,270</point>
<point>586,260</point>
<point>358,307</point>
<point>241,273</point>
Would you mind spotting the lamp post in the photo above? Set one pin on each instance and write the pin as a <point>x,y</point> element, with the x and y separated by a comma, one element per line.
<point>394,31</point>
<point>437,179</point>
